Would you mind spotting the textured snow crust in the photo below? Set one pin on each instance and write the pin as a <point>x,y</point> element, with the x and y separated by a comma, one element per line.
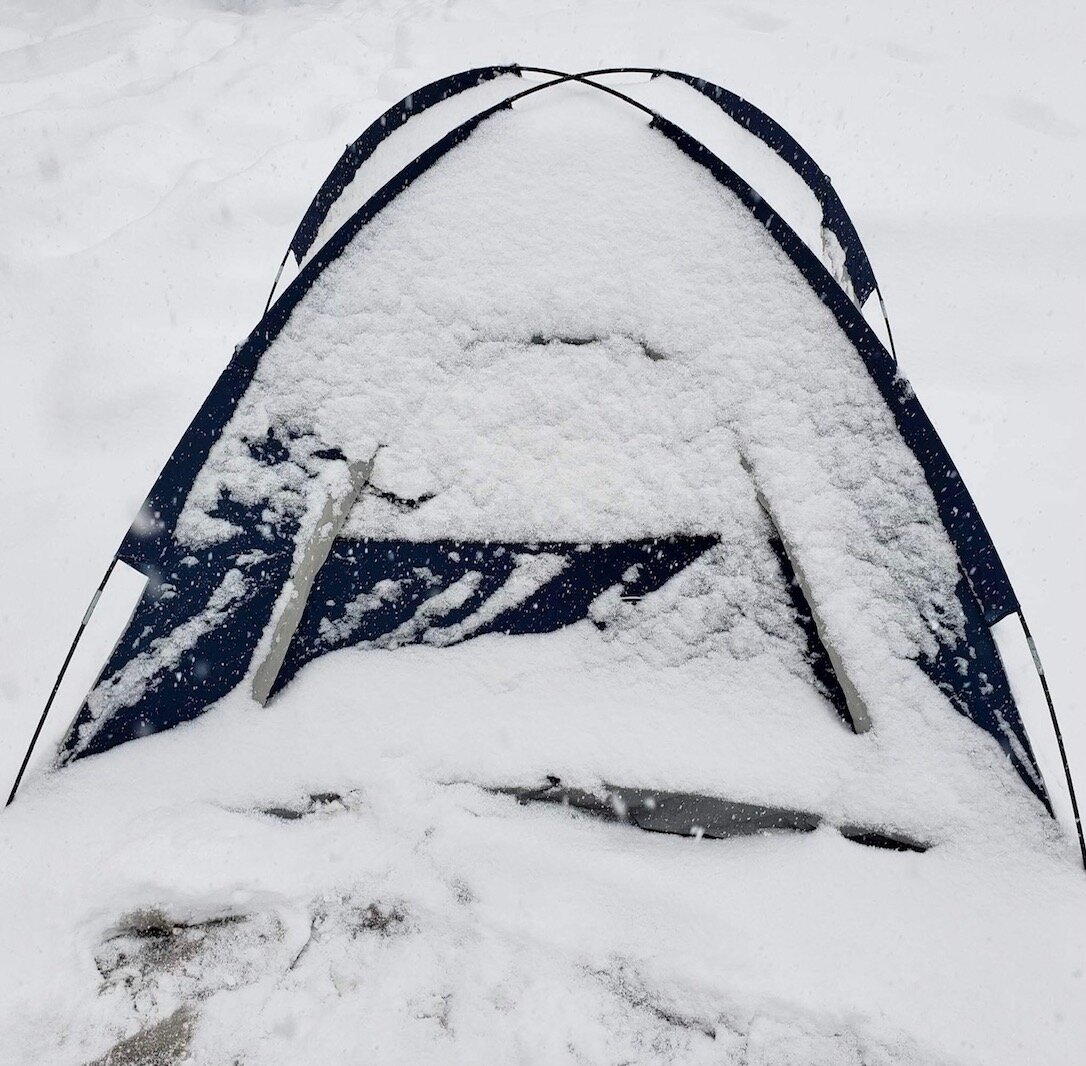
<point>156,164</point>
<point>755,161</point>
<point>404,915</point>
<point>707,342</point>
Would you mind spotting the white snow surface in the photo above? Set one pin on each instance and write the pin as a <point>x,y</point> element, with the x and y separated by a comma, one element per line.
<point>157,159</point>
<point>573,219</point>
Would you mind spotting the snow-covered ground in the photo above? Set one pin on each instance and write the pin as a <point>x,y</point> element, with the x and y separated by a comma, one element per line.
<point>156,159</point>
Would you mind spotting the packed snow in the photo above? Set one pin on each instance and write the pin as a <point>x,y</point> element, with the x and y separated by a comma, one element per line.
<point>333,879</point>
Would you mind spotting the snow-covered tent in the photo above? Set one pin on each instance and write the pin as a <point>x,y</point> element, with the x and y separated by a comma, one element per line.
<point>572,438</point>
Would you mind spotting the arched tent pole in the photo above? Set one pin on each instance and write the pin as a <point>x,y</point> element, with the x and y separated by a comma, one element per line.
<point>1038,666</point>
<point>750,118</point>
<point>886,321</point>
<point>60,677</point>
<point>988,577</point>
<point>275,284</point>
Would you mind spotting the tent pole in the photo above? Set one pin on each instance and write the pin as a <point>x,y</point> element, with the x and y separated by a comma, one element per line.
<point>885,318</point>
<point>1056,729</point>
<point>279,274</point>
<point>60,677</point>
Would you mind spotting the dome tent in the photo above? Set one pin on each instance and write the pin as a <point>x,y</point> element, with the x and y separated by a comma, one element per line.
<point>565,372</point>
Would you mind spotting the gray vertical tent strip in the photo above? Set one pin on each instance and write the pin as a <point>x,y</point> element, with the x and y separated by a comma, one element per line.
<point>314,554</point>
<point>857,708</point>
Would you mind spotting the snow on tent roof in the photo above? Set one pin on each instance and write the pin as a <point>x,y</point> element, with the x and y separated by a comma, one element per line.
<point>758,148</point>
<point>565,418</point>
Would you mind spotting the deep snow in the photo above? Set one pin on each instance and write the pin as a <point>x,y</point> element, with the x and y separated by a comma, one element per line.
<point>156,164</point>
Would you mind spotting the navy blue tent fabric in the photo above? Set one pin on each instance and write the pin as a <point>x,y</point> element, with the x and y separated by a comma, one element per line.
<point>189,589</point>
<point>180,584</point>
<point>423,569</point>
<point>243,579</point>
<point>972,677</point>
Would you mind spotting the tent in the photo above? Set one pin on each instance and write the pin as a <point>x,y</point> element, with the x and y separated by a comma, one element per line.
<point>547,364</point>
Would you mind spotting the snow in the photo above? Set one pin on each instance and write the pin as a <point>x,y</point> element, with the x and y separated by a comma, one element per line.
<point>756,162</point>
<point>157,161</point>
<point>408,141</point>
<point>512,237</point>
<point>534,929</point>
